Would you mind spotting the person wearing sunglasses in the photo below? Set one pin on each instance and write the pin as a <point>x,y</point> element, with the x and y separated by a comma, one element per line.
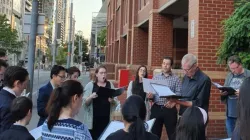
<point>57,76</point>
<point>234,79</point>
<point>196,86</point>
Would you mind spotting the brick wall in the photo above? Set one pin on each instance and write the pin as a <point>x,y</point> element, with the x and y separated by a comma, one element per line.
<point>139,47</point>
<point>160,38</point>
<point>158,41</point>
<point>116,50</point>
<point>128,47</point>
<point>122,50</point>
<point>207,16</point>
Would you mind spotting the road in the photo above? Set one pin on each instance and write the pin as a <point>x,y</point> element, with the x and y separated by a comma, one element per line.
<point>44,77</point>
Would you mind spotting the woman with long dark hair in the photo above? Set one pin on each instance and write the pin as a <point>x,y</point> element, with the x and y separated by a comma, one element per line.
<point>73,73</point>
<point>241,131</point>
<point>97,109</point>
<point>134,115</point>
<point>192,124</point>
<point>135,87</point>
<point>64,103</point>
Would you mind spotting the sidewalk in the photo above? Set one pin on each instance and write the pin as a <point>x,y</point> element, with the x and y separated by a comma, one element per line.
<point>34,120</point>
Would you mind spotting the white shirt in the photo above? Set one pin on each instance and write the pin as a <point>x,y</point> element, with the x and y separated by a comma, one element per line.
<point>9,90</point>
<point>52,85</point>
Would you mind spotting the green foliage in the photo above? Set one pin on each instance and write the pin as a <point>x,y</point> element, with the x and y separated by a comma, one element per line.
<point>9,37</point>
<point>61,57</point>
<point>49,54</point>
<point>239,3</point>
<point>84,47</point>
<point>236,36</point>
<point>101,38</point>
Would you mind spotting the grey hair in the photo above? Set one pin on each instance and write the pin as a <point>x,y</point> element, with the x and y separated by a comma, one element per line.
<point>190,59</point>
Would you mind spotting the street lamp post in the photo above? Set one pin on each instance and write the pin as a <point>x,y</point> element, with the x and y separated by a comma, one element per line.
<point>70,35</point>
<point>54,43</point>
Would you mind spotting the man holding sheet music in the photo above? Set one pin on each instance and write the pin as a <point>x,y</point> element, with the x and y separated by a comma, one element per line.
<point>161,110</point>
<point>195,85</point>
<point>234,79</point>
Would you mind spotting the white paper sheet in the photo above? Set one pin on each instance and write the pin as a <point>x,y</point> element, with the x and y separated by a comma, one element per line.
<point>217,85</point>
<point>117,125</point>
<point>112,127</point>
<point>37,132</point>
<point>147,87</point>
<point>162,90</point>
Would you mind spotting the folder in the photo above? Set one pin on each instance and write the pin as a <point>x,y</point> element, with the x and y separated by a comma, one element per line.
<point>230,90</point>
<point>117,125</point>
<point>158,87</point>
<point>164,91</point>
<point>110,93</point>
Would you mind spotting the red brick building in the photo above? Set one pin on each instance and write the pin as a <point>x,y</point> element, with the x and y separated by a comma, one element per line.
<point>144,31</point>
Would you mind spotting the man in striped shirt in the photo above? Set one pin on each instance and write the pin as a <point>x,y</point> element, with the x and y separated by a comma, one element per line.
<point>164,112</point>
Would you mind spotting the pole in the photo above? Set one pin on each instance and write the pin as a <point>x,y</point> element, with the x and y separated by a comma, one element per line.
<point>32,44</point>
<point>81,52</point>
<point>54,43</point>
<point>39,62</point>
<point>96,47</point>
<point>70,35</point>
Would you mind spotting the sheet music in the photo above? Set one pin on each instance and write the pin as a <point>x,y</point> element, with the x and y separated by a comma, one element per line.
<point>117,125</point>
<point>217,85</point>
<point>162,90</point>
<point>37,132</point>
<point>150,124</point>
<point>147,87</point>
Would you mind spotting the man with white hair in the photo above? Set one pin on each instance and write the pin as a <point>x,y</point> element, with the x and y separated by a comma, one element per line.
<point>195,85</point>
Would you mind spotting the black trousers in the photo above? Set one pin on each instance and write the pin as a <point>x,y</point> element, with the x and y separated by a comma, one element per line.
<point>165,116</point>
<point>99,125</point>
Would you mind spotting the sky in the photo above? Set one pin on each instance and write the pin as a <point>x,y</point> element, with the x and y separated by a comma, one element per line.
<point>83,14</point>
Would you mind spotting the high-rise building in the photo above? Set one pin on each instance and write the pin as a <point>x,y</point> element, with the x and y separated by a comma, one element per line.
<point>6,8</point>
<point>48,7</point>
<point>67,21</point>
<point>41,6</point>
<point>28,6</point>
<point>99,21</point>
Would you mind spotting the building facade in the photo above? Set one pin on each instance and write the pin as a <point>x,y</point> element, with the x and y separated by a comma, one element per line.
<point>142,32</point>
<point>6,8</point>
<point>99,22</point>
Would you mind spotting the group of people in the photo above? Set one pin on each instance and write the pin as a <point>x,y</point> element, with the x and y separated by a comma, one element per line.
<point>60,100</point>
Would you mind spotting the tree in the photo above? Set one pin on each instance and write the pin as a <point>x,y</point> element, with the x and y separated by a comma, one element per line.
<point>9,37</point>
<point>61,57</point>
<point>236,36</point>
<point>49,54</point>
<point>101,38</point>
<point>239,3</point>
<point>84,47</point>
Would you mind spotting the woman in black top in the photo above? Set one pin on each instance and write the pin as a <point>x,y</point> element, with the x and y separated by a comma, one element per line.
<point>136,87</point>
<point>134,114</point>
<point>192,125</point>
<point>241,131</point>
<point>98,108</point>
